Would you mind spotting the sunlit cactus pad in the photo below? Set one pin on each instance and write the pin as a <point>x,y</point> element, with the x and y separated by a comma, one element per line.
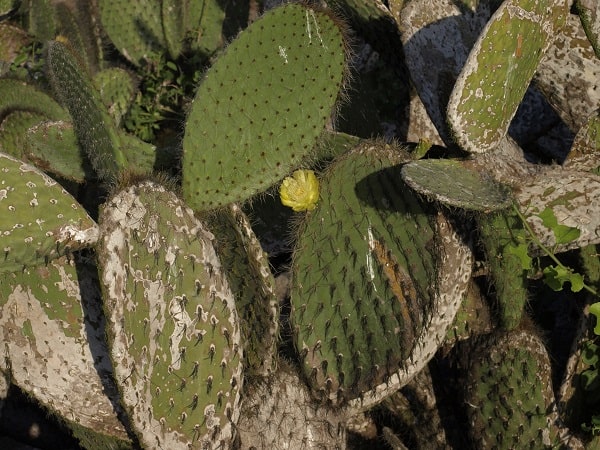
<point>499,68</point>
<point>262,105</point>
<point>364,274</point>
<point>561,208</point>
<point>453,183</point>
<point>39,220</point>
<point>172,321</point>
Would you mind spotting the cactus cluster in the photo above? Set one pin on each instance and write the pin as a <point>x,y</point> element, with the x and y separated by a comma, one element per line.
<point>142,142</point>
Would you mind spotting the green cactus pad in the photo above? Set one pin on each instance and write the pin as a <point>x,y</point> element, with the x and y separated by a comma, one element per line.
<point>140,155</point>
<point>42,20</point>
<point>589,13</point>
<point>262,105</point>
<point>53,147</point>
<point>203,22</point>
<point>55,351</point>
<point>172,325</point>
<point>16,96</point>
<point>365,276</point>
<point>39,220</point>
<point>454,183</point>
<point>117,88</point>
<point>251,280</point>
<point>501,234</point>
<point>94,128</point>
<point>499,68</point>
<point>134,27</point>
<point>509,393</point>
<point>13,131</point>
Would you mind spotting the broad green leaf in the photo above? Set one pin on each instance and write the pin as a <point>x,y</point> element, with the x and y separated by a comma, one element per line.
<point>563,233</point>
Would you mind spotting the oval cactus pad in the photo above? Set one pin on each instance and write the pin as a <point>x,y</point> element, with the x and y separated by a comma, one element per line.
<point>39,220</point>
<point>499,68</point>
<point>453,183</point>
<point>262,106</point>
<point>172,321</point>
<point>365,277</point>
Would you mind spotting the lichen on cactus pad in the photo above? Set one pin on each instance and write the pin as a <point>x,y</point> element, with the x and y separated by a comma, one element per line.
<point>499,68</point>
<point>39,220</point>
<point>52,328</point>
<point>172,321</point>
<point>262,105</point>
<point>366,278</point>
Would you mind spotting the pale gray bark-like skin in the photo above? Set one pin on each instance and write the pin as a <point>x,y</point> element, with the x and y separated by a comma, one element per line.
<point>55,350</point>
<point>279,413</point>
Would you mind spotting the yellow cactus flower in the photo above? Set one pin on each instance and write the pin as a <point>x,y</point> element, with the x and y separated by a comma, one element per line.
<point>300,191</point>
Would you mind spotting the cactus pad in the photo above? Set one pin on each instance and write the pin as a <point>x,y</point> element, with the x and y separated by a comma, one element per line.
<point>93,126</point>
<point>134,27</point>
<point>453,183</point>
<point>39,220</point>
<point>568,198</point>
<point>54,351</point>
<point>172,321</point>
<point>499,68</point>
<point>16,95</point>
<point>589,13</point>
<point>365,275</point>
<point>251,280</point>
<point>509,391</point>
<point>53,147</point>
<point>262,105</point>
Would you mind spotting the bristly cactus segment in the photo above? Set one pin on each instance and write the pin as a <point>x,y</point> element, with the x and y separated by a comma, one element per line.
<point>252,282</point>
<point>365,275</point>
<point>39,220</point>
<point>262,105</point>
<point>94,127</point>
<point>501,233</point>
<point>499,68</point>
<point>509,393</point>
<point>172,321</point>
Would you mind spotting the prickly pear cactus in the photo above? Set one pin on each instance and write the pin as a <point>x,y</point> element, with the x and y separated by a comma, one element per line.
<point>589,13</point>
<point>500,234</point>
<point>172,322</point>
<point>262,105</point>
<point>499,68</point>
<point>40,221</point>
<point>53,147</point>
<point>16,95</point>
<point>367,278</point>
<point>251,280</point>
<point>453,183</point>
<point>135,27</point>
<point>509,393</point>
<point>94,127</point>
<point>52,329</point>
<point>562,200</point>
